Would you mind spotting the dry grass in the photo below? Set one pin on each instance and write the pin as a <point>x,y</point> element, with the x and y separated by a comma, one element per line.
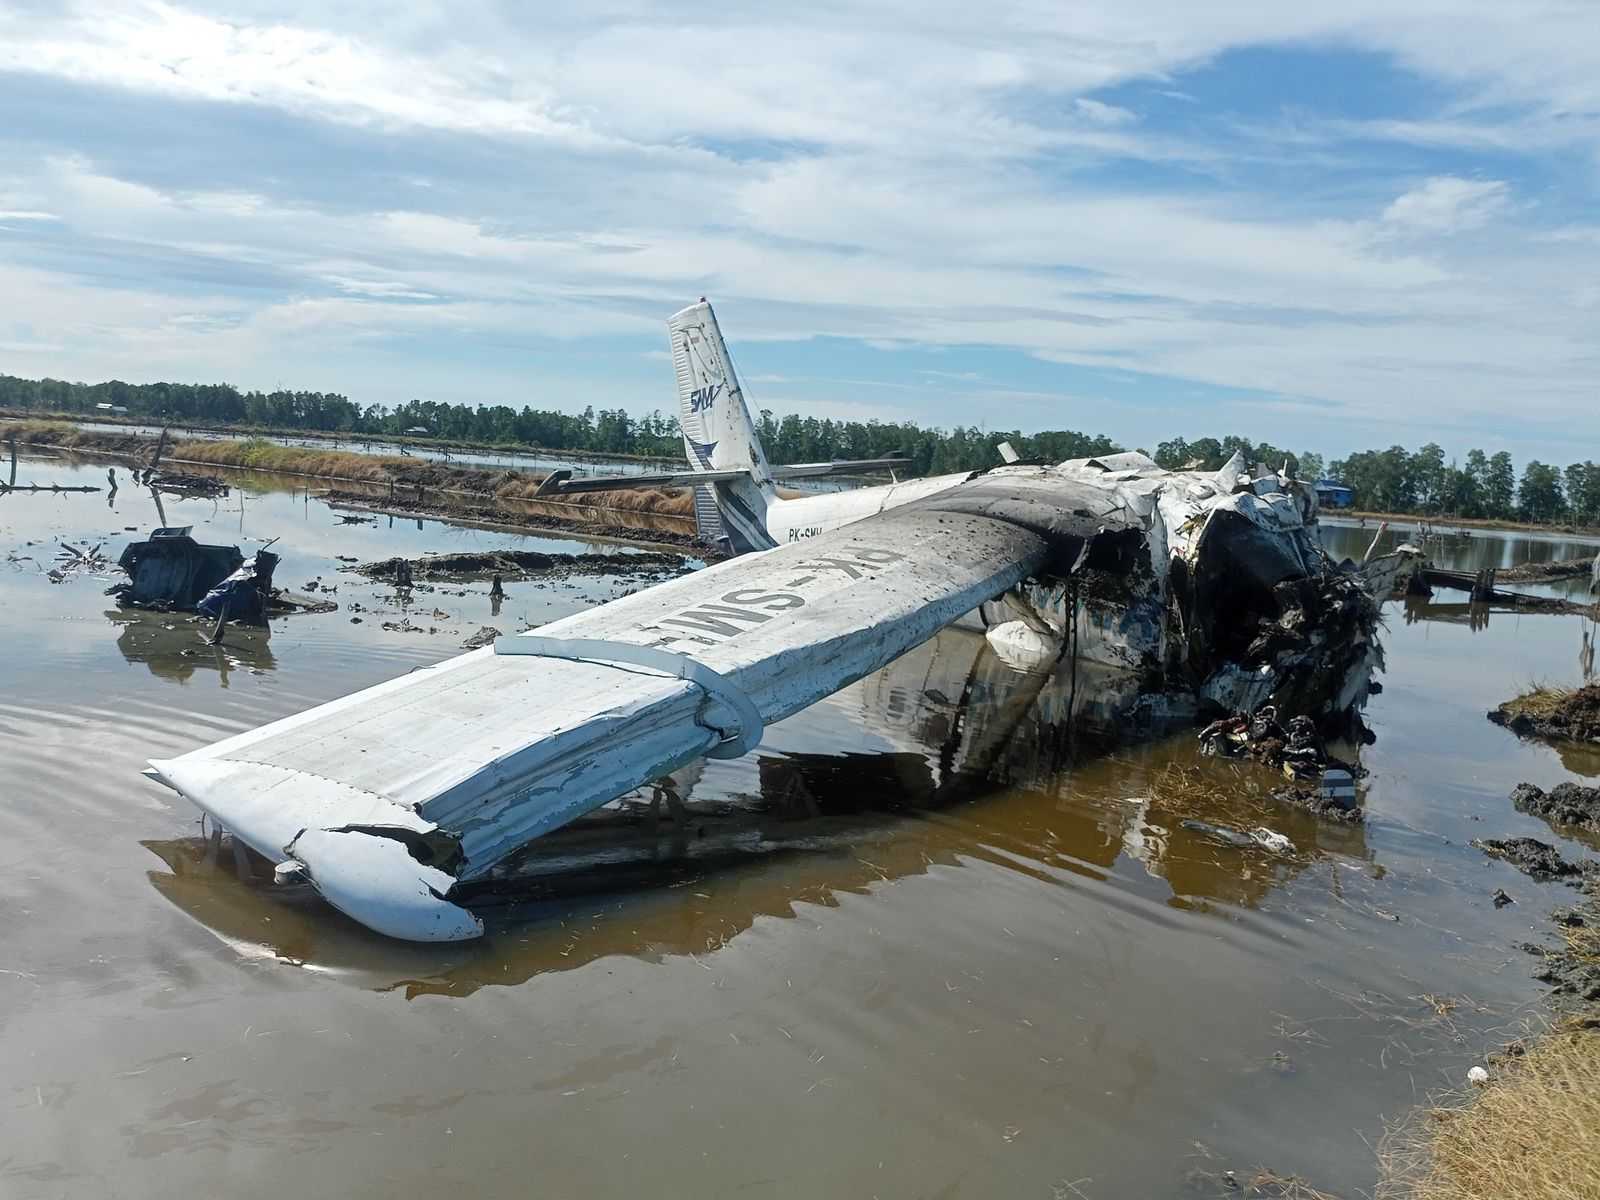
<point>1583,942</point>
<point>669,502</point>
<point>49,433</point>
<point>1533,1133</point>
<point>1541,701</point>
<point>258,454</point>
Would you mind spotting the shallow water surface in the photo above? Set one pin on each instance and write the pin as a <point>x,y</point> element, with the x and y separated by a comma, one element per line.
<point>927,941</point>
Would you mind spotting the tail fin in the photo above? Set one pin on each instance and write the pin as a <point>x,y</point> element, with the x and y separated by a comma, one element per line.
<point>718,435</point>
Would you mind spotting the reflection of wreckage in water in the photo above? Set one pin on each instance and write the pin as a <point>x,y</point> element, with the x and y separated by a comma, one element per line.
<point>171,650</point>
<point>946,724</point>
<point>1210,588</point>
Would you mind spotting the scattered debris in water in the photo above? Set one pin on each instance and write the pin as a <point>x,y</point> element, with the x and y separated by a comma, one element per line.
<point>1484,589</point>
<point>180,482</point>
<point>185,484</point>
<point>10,484</point>
<point>1260,836</point>
<point>1320,803</point>
<point>1296,749</point>
<point>1560,714</point>
<point>406,625</point>
<point>72,559</point>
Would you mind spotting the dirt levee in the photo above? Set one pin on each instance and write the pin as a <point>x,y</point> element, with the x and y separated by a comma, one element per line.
<point>520,564</point>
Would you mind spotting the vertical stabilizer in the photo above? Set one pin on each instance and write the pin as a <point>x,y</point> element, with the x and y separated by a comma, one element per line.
<point>718,434</point>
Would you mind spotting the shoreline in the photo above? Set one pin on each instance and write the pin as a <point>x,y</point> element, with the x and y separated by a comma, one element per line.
<point>419,488</point>
<point>1360,518</point>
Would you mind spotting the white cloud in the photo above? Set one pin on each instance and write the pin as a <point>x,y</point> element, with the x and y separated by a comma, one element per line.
<point>164,49</point>
<point>1448,204</point>
<point>1105,114</point>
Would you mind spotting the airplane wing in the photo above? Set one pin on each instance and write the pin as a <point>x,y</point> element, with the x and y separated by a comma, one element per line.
<point>387,798</point>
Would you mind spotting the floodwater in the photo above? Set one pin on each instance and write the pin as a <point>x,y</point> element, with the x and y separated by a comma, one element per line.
<point>928,941</point>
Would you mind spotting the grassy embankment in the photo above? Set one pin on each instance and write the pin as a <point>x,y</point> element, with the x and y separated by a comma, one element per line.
<point>495,485</point>
<point>1532,1133</point>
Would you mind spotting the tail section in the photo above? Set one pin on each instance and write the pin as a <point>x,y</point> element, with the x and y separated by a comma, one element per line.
<point>718,435</point>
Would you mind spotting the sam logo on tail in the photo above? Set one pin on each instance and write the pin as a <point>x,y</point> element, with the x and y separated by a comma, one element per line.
<point>701,399</point>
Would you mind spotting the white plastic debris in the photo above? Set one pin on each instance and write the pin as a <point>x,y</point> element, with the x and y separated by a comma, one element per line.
<point>1272,840</point>
<point>1478,1076</point>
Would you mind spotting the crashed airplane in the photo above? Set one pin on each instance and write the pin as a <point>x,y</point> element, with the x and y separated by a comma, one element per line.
<point>1210,588</point>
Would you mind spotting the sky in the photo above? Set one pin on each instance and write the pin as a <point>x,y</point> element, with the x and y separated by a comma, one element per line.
<point>1329,227</point>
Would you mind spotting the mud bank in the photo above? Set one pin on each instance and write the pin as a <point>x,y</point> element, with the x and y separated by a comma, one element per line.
<point>399,474</point>
<point>659,531</point>
<point>1554,713</point>
<point>1567,568</point>
<point>521,564</point>
<point>1538,860</point>
<point>1571,968</point>
<point>1565,804</point>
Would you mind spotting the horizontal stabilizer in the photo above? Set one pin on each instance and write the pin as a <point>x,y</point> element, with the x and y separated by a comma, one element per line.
<point>563,482</point>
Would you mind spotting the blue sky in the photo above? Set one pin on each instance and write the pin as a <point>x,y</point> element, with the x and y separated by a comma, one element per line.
<point>1328,227</point>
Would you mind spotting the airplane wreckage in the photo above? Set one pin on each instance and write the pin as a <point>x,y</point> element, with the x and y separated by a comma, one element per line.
<point>1210,589</point>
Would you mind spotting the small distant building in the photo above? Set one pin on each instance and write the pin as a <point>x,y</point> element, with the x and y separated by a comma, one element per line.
<point>117,409</point>
<point>419,431</point>
<point>1331,494</point>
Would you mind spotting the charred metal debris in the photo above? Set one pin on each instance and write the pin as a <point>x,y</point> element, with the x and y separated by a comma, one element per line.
<point>171,572</point>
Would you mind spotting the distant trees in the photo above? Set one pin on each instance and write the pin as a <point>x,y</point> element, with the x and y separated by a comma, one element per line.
<point>1391,480</point>
<point>1482,486</point>
<point>607,431</point>
<point>1539,498</point>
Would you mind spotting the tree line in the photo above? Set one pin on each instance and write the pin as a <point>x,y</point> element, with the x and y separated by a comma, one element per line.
<point>1392,480</point>
<point>607,431</point>
<point>1398,480</point>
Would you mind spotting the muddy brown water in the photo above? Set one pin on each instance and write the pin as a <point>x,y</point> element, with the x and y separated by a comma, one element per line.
<point>924,942</point>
